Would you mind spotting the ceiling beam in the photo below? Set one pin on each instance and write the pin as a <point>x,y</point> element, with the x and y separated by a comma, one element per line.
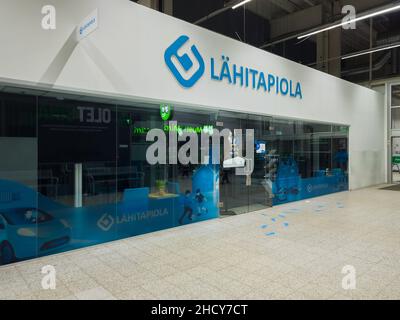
<point>227,6</point>
<point>296,34</point>
<point>297,21</point>
<point>309,2</point>
<point>285,5</point>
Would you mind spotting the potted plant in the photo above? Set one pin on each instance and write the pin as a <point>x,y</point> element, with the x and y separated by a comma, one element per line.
<point>160,185</point>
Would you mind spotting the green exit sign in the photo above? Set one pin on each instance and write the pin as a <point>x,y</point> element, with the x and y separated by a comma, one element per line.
<point>396,159</point>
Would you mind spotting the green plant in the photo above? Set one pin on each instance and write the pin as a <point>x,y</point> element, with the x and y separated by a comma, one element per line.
<point>160,185</point>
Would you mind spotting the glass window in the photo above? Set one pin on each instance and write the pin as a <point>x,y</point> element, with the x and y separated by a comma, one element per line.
<point>395,96</point>
<point>396,159</point>
<point>82,171</point>
<point>311,161</point>
<point>77,177</point>
<point>18,141</point>
<point>396,118</point>
<point>18,178</point>
<point>304,128</point>
<point>26,216</point>
<point>341,129</point>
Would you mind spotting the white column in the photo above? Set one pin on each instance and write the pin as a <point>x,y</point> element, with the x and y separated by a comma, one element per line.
<point>78,185</point>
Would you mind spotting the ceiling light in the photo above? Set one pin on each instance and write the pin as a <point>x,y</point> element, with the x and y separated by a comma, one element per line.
<point>371,51</point>
<point>240,4</point>
<point>363,17</point>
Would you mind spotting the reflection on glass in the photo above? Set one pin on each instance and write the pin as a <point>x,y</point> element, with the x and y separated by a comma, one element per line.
<point>74,172</point>
<point>19,216</point>
<point>395,96</point>
<point>396,159</point>
<point>307,160</point>
<point>396,118</point>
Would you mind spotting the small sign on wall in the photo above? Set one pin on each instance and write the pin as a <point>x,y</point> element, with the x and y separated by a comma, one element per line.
<point>88,25</point>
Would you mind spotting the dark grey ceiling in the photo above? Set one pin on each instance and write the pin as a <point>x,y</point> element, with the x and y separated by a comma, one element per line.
<point>274,25</point>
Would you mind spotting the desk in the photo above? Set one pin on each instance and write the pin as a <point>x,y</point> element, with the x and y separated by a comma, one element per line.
<point>158,196</point>
<point>109,177</point>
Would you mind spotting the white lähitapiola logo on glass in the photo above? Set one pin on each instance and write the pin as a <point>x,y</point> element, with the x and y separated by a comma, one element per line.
<point>105,222</point>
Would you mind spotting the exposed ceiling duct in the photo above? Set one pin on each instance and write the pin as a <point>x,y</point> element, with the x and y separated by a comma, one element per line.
<point>274,25</point>
<point>377,66</point>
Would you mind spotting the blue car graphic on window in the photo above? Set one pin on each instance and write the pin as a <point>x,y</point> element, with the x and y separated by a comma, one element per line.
<point>30,232</point>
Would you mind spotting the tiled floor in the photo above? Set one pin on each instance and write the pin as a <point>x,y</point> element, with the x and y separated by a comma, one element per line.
<point>295,251</point>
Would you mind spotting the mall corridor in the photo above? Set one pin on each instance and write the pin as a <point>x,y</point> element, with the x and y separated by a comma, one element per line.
<point>292,251</point>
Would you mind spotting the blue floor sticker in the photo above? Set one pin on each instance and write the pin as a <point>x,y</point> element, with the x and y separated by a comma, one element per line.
<point>286,224</point>
<point>269,234</point>
<point>264,226</point>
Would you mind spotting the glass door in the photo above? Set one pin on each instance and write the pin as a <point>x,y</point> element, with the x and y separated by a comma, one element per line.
<point>234,198</point>
<point>240,193</point>
<point>259,186</point>
<point>396,159</point>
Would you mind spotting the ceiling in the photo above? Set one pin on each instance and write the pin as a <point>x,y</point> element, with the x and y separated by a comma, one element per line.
<point>274,25</point>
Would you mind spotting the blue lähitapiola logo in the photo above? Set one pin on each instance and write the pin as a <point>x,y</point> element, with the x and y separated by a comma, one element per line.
<point>185,62</point>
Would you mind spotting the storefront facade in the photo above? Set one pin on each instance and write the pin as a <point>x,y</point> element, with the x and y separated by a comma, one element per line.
<point>76,116</point>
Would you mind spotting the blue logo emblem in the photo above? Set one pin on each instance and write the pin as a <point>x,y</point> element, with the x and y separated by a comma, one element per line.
<point>186,63</point>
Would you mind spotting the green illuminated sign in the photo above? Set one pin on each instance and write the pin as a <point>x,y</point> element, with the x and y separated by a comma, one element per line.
<point>396,159</point>
<point>206,129</point>
<point>165,111</point>
<point>140,130</point>
<point>176,128</point>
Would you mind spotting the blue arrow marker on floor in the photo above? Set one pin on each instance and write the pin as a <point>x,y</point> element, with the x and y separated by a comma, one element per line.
<point>273,219</point>
<point>286,224</point>
<point>270,234</point>
<point>264,226</point>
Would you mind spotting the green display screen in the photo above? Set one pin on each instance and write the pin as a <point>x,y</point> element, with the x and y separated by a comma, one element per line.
<point>176,128</point>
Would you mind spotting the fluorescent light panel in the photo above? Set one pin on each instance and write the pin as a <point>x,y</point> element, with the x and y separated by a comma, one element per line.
<point>240,4</point>
<point>371,51</point>
<point>367,16</point>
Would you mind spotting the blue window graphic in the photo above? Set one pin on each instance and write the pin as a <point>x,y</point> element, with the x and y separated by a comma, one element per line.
<point>185,62</point>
